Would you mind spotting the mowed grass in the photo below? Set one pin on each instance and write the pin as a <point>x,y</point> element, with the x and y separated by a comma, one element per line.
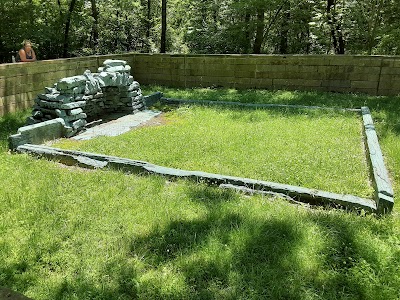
<point>69,233</point>
<point>312,148</point>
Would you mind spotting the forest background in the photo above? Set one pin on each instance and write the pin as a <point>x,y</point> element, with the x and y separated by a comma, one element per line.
<point>69,28</point>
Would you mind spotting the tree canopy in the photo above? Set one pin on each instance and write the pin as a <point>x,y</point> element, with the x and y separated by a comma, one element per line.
<point>65,28</point>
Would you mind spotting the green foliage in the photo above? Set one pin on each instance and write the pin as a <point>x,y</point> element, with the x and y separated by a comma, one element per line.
<point>197,26</point>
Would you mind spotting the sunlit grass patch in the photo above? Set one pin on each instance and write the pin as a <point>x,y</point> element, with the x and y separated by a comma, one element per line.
<point>310,148</point>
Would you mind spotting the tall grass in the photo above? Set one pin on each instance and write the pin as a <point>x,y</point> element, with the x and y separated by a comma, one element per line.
<point>68,233</point>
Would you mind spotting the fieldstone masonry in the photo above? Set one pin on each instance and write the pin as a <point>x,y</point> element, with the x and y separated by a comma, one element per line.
<point>84,98</point>
<point>66,108</point>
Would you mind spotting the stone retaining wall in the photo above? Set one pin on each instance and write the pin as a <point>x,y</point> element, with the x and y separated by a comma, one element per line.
<point>373,75</point>
<point>20,83</point>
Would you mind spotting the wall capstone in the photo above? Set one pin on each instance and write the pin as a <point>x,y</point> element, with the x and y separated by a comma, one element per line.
<point>84,98</point>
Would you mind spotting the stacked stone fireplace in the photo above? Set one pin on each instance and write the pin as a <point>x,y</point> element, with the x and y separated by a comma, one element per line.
<point>89,97</point>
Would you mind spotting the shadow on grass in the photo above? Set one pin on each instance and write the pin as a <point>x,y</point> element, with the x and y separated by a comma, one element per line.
<point>118,280</point>
<point>223,254</point>
<point>179,237</point>
<point>226,255</point>
<point>9,125</point>
<point>214,266</point>
<point>122,284</point>
<point>359,265</point>
<point>15,276</point>
<point>386,110</point>
<point>231,253</point>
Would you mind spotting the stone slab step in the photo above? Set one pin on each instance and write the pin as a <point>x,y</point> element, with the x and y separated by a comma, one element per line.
<point>117,126</point>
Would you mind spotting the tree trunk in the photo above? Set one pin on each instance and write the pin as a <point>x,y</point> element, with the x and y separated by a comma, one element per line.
<point>67,27</point>
<point>283,41</point>
<point>32,18</point>
<point>148,25</point>
<point>59,7</point>
<point>204,10</point>
<point>247,33</point>
<point>95,27</point>
<point>259,31</point>
<point>129,42</point>
<point>374,22</point>
<point>340,39</point>
<point>163,26</point>
<point>330,23</point>
<point>308,45</point>
<point>335,28</point>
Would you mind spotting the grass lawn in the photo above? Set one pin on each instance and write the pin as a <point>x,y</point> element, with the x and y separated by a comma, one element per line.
<point>68,233</point>
<point>310,148</point>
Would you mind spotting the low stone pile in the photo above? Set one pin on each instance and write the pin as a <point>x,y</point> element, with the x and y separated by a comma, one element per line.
<point>83,98</point>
